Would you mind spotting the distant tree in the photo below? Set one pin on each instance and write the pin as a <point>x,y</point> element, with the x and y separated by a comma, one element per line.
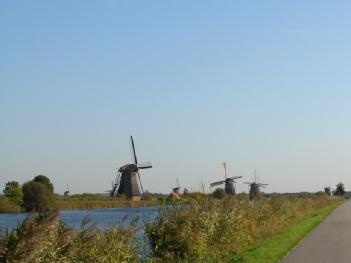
<point>37,197</point>
<point>340,189</point>
<point>44,180</point>
<point>219,193</point>
<point>13,192</point>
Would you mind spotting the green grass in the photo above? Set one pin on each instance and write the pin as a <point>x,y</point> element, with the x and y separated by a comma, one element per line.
<point>274,248</point>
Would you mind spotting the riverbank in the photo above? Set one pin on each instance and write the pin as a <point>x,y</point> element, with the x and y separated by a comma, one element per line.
<point>221,231</point>
<point>206,230</point>
<point>274,248</point>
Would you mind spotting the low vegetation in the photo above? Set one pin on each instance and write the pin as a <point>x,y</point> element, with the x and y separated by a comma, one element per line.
<point>233,229</point>
<point>221,230</point>
<point>71,203</point>
<point>6,206</point>
<point>43,238</point>
<point>274,248</point>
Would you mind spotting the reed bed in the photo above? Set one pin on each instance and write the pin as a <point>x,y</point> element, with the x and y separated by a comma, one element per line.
<point>6,206</point>
<point>219,231</point>
<point>85,203</point>
<point>43,238</point>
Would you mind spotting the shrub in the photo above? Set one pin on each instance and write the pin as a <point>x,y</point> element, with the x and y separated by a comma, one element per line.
<point>340,189</point>
<point>219,193</point>
<point>13,192</point>
<point>37,197</point>
<point>45,181</point>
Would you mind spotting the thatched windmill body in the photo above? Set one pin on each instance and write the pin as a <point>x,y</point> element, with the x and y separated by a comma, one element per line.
<point>128,178</point>
<point>255,186</point>
<point>229,182</point>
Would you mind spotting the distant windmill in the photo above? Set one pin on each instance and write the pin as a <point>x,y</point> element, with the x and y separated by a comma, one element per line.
<point>66,193</point>
<point>255,187</point>
<point>175,192</point>
<point>327,190</point>
<point>228,181</point>
<point>128,178</point>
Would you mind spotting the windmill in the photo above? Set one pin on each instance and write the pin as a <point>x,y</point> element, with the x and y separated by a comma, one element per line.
<point>66,193</point>
<point>175,192</point>
<point>228,181</point>
<point>255,187</point>
<point>327,191</point>
<point>128,178</point>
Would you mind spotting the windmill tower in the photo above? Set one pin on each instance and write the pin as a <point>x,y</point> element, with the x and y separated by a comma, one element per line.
<point>128,178</point>
<point>327,190</point>
<point>255,186</point>
<point>175,192</point>
<point>66,193</point>
<point>229,182</point>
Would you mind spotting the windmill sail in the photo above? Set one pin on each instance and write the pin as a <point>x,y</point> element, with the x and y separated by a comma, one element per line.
<point>134,154</point>
<point>145,165</point>
<point>217,183</point>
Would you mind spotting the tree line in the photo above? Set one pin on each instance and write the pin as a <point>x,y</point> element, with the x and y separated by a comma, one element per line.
<point>35,195</point>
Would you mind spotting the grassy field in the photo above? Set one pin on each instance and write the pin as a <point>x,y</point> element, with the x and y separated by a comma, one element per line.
<point>274,248</point>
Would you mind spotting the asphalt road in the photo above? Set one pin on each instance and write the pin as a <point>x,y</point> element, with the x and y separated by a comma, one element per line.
<point>328,242</point>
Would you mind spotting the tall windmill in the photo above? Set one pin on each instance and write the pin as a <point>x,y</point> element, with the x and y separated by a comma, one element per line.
<point>128,178</point>
<point>255,187</point>
<point>229,182</point>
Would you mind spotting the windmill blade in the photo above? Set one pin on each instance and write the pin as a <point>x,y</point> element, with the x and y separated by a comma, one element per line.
<point>141,186</point>
<point>225,169</point>
<point>134,154</point>
<point>262,184</point>
<point>217,183</point>
<point>144,165</point>
<point>235,177</point>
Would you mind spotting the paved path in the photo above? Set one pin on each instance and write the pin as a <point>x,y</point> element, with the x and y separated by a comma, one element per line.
<point>330,242</point>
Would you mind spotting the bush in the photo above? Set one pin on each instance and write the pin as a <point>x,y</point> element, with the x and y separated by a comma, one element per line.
<point>45,181</point>
<point>37,197</point>
<point>340,189</point>
<point>219,193</point>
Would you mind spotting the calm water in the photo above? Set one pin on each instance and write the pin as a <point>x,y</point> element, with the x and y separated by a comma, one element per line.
<point>102,218</point>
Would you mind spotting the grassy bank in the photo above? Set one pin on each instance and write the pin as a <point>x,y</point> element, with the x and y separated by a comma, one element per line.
<point>274,248</point>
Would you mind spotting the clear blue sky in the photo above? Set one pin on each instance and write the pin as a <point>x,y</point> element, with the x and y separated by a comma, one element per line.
<point>260,84</point>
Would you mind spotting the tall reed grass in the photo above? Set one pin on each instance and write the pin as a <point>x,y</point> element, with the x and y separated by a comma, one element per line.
<point>46,239</point>
<point>218,231</point>
<point>87,203</point>
<point>6,206</point>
